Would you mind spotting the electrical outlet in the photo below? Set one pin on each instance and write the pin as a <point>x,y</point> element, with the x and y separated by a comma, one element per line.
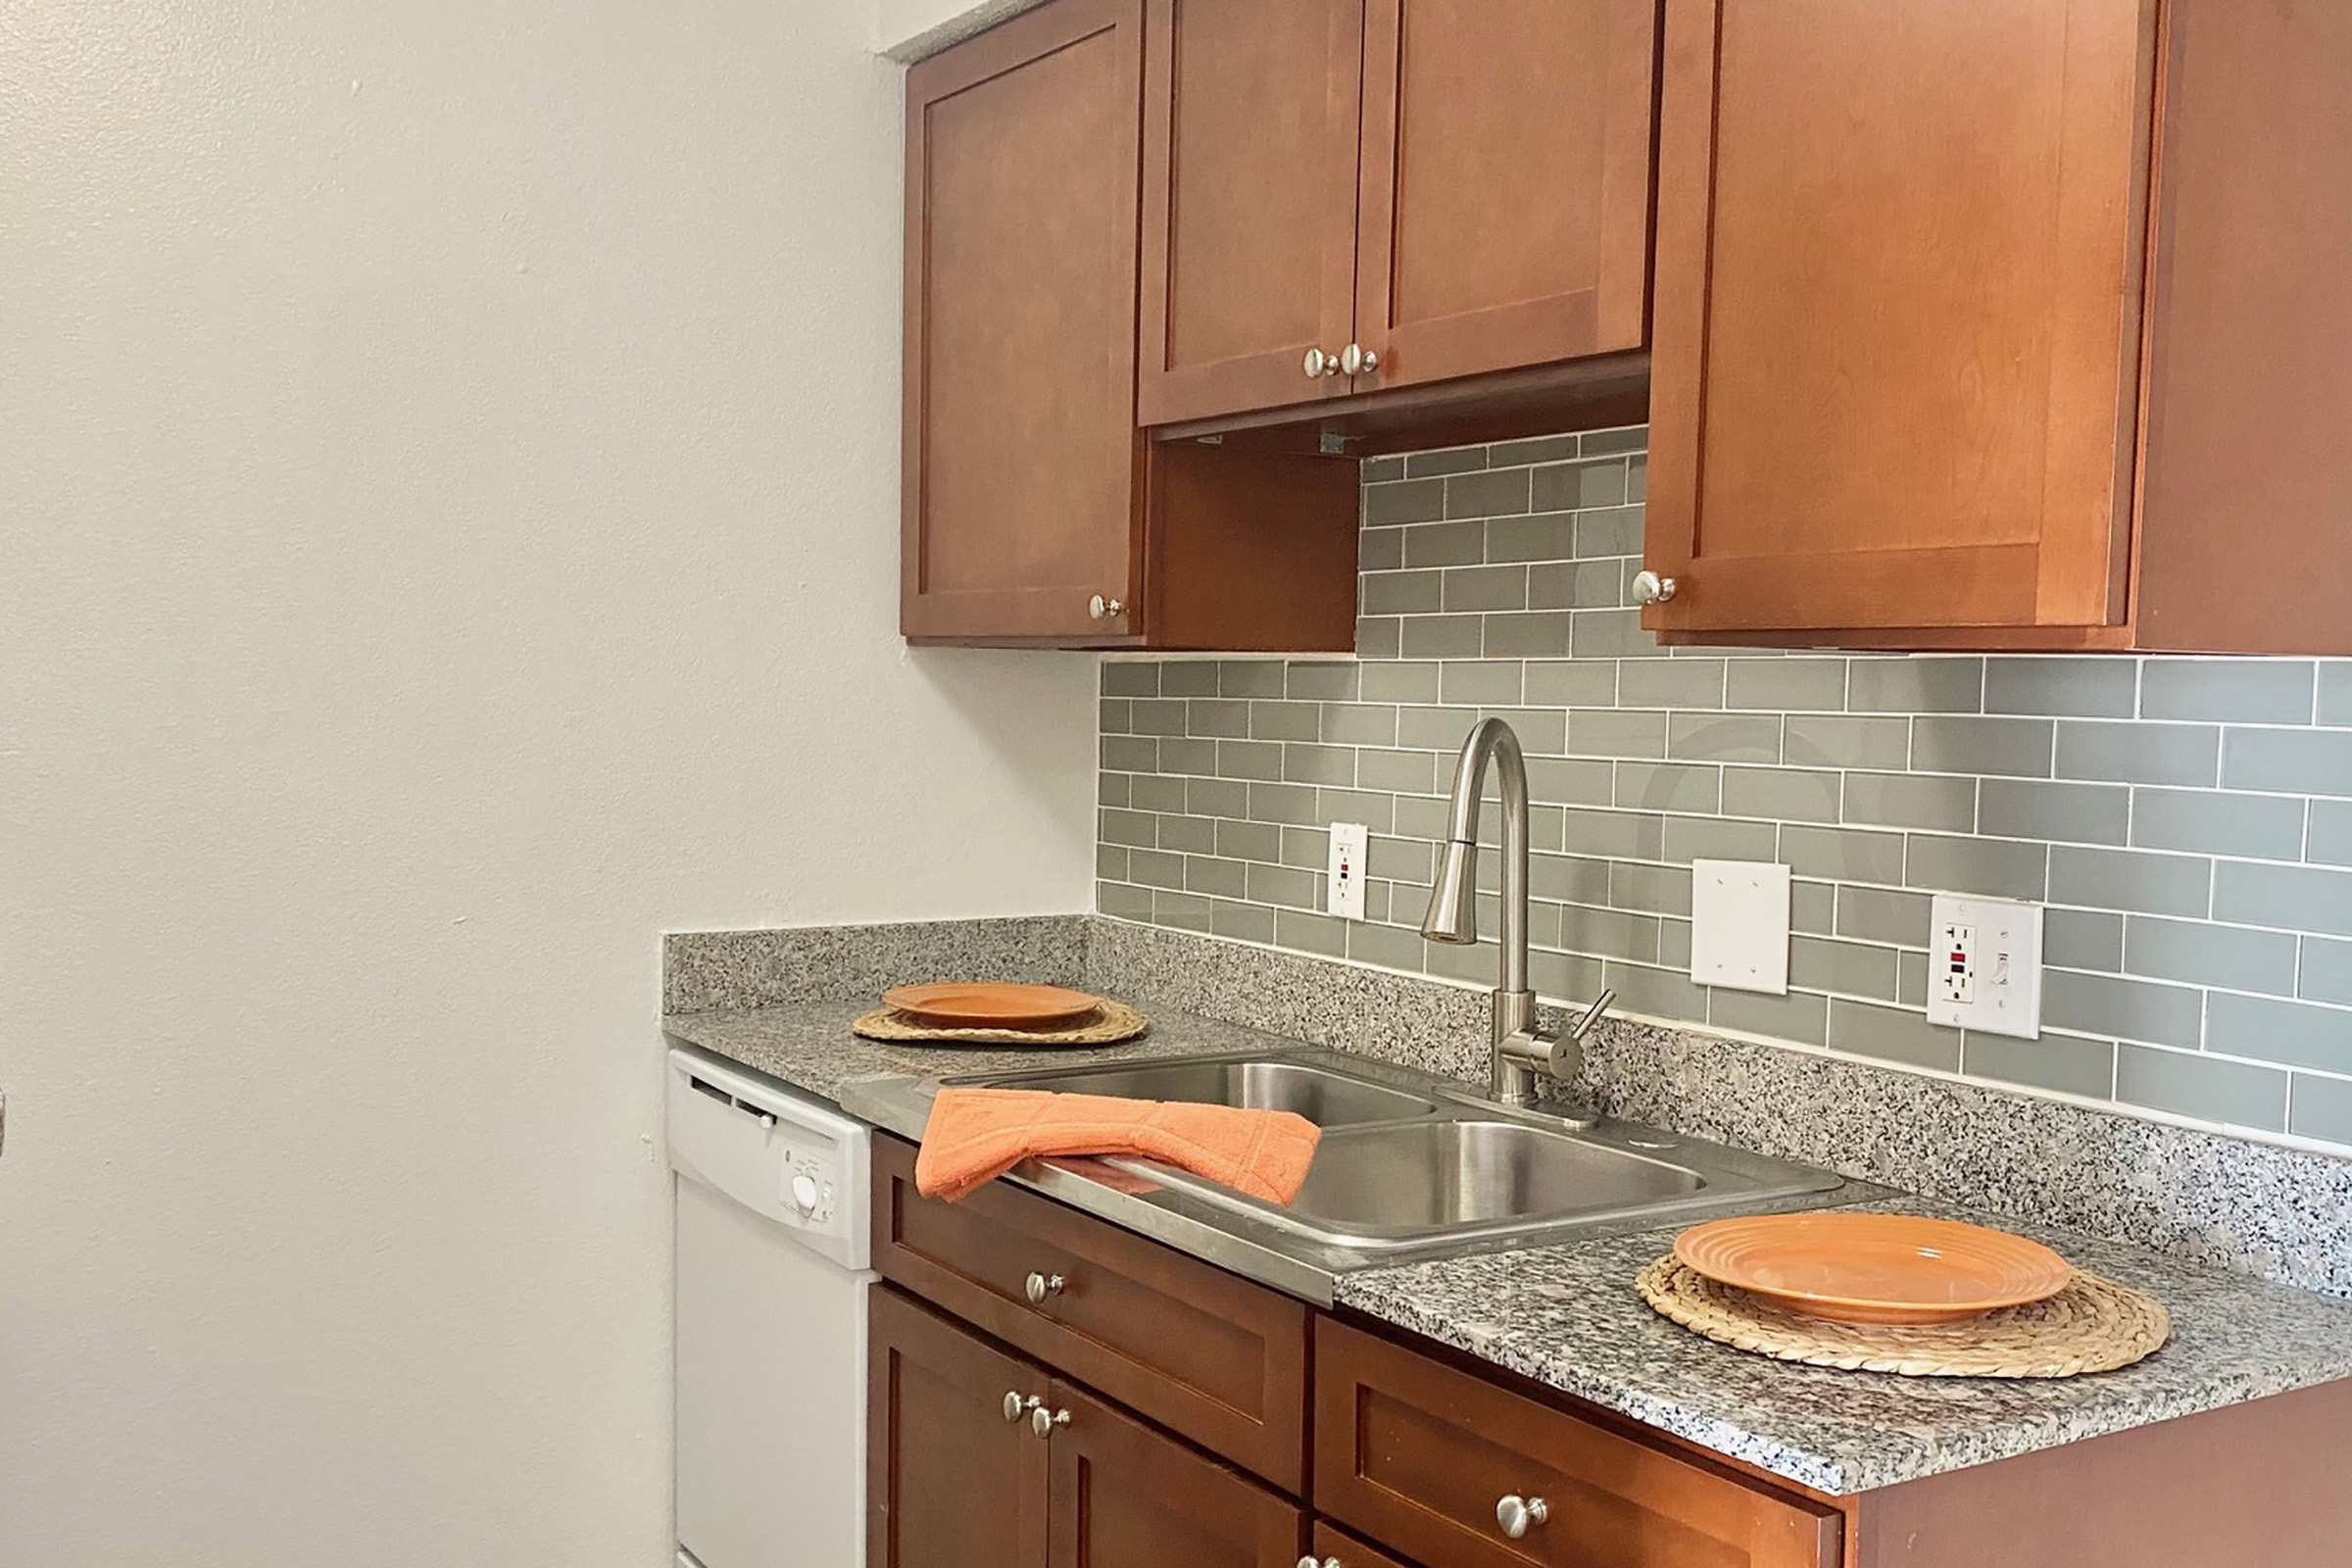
<point>1343,890</point>
<point>1985,963</point>
<point>1956,964</point>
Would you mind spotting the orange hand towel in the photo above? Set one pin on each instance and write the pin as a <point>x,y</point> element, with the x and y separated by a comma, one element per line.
<point>976,1135</point>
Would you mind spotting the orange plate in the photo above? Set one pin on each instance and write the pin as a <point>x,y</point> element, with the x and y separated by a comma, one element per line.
<point>1874,1268</point>
<point>991,1004</point>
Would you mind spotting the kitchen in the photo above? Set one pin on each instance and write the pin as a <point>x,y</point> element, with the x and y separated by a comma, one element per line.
<point>458,469</point>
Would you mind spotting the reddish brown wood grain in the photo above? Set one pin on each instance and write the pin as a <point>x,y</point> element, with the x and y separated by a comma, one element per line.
<point>1205,1354</point>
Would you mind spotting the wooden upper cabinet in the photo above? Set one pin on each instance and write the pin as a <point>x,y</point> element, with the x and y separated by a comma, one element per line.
<point>1249,223</point>
<point>1447,187</point>
<point>1036,511</point>
<point>1504,191</point>
<point>2014,324</point>
<point>1022,497</point>
<point>1898,293</point>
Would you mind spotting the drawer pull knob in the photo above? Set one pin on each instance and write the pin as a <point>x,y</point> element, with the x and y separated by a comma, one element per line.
<point>1358,360</point>
<point>1101,609</point>
<point>1516,1513</point>
<point>1043,1421</point>
<point>1308,1561</point>
<point>1651,589</point>
<point>1040,1285</point>
<point>1319,365</point>
<point>1016,1407</point>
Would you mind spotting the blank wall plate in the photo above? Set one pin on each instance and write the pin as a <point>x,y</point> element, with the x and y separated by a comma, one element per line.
<point>1740,925</point>
<point>1343,892</point>
<point>1984,966</point>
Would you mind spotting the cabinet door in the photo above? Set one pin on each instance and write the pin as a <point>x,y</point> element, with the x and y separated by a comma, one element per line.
<point>951,1482</point>
<point>1021,467</point>
<point>1503,217</point>
<point>1338,1547</point>
<point>1124,1496</point>
<point>1898,282</point>
<point>1250,145</point>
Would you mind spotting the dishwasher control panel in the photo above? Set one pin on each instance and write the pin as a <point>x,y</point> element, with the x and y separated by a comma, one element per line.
<point>789,1158</point>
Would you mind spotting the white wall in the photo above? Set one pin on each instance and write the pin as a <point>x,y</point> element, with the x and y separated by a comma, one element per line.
<point>448,483</point>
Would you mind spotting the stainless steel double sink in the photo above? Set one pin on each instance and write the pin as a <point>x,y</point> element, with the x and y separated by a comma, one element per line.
<point>1410,1167</point>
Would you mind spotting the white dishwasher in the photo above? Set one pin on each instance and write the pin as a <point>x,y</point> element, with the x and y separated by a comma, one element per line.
<point>772,1249</point>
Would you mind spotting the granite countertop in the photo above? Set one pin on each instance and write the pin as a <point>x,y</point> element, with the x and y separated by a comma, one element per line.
<point>1568,1315</point>
<point>808,1044</point>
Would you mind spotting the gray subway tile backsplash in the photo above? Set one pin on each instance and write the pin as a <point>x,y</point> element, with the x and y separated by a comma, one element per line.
<point>2187,820</point>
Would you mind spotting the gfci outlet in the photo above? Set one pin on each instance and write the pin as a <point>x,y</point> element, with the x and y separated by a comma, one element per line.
<point>1984,966</point>
<point>1344,896</point>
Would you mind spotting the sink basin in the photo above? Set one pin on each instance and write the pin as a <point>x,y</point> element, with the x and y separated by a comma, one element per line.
<point>1326,1099</point>
<point>1449,1176</point>
<point>1410,1167</point>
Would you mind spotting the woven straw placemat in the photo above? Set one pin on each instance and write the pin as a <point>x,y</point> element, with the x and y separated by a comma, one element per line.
<point>1107,1025</point>
<point>2094,1325</point>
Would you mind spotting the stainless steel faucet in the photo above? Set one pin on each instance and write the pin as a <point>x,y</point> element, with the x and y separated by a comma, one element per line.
<point>1521,1049</point>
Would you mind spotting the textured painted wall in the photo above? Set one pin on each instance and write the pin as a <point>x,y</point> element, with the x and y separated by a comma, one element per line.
<point>2188,822</point>
<point>448,535</point>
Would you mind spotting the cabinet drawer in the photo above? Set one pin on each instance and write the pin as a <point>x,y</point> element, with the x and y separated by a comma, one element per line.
<point>1207,1355</point>
<point>1418,1455</point>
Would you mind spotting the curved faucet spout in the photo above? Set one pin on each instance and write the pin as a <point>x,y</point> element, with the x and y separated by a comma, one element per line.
<point>1453,902</point>
<point>1521,1049</point>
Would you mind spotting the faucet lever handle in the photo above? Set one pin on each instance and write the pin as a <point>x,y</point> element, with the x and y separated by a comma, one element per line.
<point>1592,1015</point>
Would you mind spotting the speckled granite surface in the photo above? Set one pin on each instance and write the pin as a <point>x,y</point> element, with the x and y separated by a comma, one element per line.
<point>1569,1317</point>
<point>808,1044</point>
<point>2278,1214</point>
<point>704,970</point>
<point>2282,1215</point>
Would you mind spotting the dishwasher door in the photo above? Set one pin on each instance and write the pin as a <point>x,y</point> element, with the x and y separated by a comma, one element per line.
<point>771,1393</point>
<point>771,1323</point>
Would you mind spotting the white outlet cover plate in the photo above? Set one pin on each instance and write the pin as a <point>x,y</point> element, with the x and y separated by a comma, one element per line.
<point>2003,999</point>
<point>1343,887</point>
<point>1740,925</point>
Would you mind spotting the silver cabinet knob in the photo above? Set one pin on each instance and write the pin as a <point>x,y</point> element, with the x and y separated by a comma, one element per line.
<point>1016,1406</point>
<point>1515,1513</point>
<point>1102,609</point>
<point>1308,1561</point>
<point>1319,365</point>
<point>1651,589</point>
<point>1040,1285</point>
<point>1043,1421</point>
<point>1358,360</point>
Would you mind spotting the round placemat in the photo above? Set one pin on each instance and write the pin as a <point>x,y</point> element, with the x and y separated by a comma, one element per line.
<point>2094,1325</point>
<point>1107,1025</point>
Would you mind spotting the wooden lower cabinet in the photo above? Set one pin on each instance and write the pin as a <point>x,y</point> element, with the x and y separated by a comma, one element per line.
<point>951,1483</point>
<point>1409,1448</point>
<point>1121,1496</point>
<point>957,1477</point>
<point>1214,1358</point>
